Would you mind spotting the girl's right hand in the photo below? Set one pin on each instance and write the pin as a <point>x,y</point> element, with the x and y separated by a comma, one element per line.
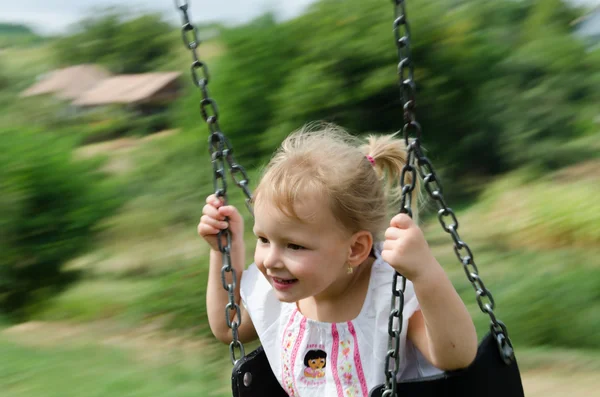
<point>216,217</point>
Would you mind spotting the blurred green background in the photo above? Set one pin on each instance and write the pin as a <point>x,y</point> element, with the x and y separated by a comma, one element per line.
<point>102,276</point>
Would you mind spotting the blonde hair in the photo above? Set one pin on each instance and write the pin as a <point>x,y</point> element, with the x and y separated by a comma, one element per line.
<point>330,163</point>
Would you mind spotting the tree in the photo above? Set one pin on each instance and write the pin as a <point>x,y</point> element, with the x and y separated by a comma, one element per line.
<point>122,43</point>
<point>50,208</point>
<point>497,82</point>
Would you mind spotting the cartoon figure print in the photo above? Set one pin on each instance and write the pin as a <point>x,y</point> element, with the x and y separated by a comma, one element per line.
<point>315,362</point>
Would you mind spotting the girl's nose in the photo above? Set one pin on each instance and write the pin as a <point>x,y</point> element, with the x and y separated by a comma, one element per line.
<point>272,259</point>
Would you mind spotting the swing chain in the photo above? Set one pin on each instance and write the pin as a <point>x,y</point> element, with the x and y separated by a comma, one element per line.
<point>408,179</point>
<point>395,321</point>
<point>221,155</point>
<point>433,187</point>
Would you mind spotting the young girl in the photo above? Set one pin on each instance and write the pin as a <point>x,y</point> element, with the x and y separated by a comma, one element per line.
<point>318,294</point>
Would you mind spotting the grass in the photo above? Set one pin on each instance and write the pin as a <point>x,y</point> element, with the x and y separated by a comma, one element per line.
<point>25,63</point>
<point>545,213</point>
<point>91,369</point>
<point>100,359</point>
<point>95,300</point>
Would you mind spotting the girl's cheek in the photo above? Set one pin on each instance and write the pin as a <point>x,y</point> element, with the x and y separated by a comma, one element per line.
<point>257,254</point>
<point>258,259</point>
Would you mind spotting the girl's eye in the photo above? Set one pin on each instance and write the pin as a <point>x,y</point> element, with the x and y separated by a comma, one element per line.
<point>263,240</point>
<point>295,247</point>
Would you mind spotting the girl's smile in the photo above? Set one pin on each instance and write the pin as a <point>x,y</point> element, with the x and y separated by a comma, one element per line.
<point>282,284</point>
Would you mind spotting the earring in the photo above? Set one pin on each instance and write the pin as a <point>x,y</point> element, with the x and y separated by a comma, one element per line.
<point>350,270</point>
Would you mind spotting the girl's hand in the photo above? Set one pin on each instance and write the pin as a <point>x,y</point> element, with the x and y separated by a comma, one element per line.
<point>214,220</point>
<point>406,249</point>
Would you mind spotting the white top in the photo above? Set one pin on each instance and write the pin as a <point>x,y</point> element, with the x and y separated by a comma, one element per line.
<point>312,358</point>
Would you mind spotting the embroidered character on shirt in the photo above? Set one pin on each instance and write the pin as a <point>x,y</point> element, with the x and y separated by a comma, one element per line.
<point>315,361</point>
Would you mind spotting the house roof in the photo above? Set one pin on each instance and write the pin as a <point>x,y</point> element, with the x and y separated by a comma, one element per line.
<point>68,83</point>
<point>127,88</point>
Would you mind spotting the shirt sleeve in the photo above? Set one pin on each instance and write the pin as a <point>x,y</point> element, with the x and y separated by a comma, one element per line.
<point>382,280</point>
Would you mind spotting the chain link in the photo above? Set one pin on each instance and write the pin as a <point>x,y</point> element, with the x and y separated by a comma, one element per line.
<point>411,131</point>
<point>221,155</point>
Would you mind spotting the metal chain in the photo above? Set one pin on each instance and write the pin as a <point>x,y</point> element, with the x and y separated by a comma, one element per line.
<point>412,128</point>
<point>407,184</point>
<point>221,154</point>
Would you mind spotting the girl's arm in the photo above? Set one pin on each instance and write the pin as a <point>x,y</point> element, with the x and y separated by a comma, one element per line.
<point>443,329</point>
<point>216,217</point>
<point>217,299</point>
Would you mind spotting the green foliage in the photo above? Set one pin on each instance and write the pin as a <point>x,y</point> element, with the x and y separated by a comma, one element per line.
<point>17,35</point>
<point>179,297</point>
<point>500,83</point>
<point>19,67</point>
<point>10,29</point>
<point>49,209</point>
<point>147,124</point>
<point>4,80</point>
<point>121,43</point>
<point>549,17</point>
<point>95,300</point>
<point>44,112</point>
<point>546,298</point>
<point>114,122</point>
<point>557,308</point>
<point>248,77</point>
<point>545,212</point>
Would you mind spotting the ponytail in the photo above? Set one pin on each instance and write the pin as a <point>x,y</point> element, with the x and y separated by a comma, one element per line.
<point>388,155</point>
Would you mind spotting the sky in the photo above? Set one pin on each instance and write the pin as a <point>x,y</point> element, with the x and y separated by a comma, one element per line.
<point>55,16</point>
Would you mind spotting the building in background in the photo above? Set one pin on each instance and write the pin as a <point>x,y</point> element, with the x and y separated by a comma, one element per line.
<point>86,87</point>
<point>68,83</point>
<point>145,93</point>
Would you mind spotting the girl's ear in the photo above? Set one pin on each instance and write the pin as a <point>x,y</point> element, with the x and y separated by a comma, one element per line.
<point>360,248</point>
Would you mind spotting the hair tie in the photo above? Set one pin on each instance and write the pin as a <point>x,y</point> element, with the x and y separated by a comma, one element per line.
<point>371,160</point>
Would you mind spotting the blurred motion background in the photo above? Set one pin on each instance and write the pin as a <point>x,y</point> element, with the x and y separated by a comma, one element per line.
<point>104,169</point>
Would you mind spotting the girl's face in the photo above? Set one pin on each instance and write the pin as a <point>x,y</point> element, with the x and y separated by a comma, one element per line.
<point>300,258</point>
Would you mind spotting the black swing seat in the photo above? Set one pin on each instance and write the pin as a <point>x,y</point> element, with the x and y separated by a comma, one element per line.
<point>252,377</point>
<point>488,376</point>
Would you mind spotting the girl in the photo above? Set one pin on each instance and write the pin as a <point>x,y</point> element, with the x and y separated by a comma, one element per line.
<point>320,282</point>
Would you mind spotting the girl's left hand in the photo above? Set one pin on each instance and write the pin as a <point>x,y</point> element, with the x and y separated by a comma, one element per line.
<point>406,249</point>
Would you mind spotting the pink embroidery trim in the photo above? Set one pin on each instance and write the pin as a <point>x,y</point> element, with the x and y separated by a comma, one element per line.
<point>334,360</point>
<point>284,356</point>
<point>357,361</point>
<point>295,352</point>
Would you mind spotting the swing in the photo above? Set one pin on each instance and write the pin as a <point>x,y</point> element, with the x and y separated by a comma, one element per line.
<point>494,372</point>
